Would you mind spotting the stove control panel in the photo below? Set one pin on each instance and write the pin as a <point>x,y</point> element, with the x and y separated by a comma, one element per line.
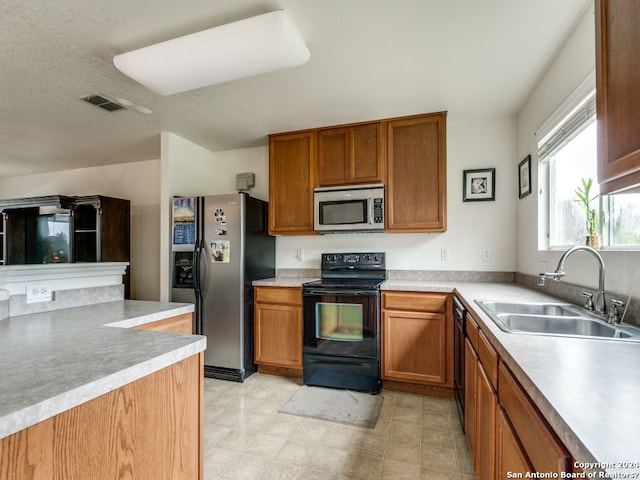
<point>356,260</point>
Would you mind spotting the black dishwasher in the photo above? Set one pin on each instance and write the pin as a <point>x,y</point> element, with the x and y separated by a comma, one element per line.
<point>459,334</point>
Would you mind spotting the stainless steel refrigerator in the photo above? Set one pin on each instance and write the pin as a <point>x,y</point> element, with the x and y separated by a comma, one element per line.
<point>220,246</point>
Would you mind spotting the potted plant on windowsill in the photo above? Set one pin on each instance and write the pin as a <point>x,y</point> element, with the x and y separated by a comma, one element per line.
<point>585,198</point>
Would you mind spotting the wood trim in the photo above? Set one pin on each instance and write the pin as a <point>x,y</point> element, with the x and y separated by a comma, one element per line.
<point>280,295</point>
<point>178,324</point>
<point>282,371</point>
<point>429,302</point>
<point>417,388</point>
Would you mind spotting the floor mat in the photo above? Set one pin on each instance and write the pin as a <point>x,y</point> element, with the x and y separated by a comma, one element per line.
<point>335,405</point>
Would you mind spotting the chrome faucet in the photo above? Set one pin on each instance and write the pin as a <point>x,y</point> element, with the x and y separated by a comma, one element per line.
<point>600,303</point>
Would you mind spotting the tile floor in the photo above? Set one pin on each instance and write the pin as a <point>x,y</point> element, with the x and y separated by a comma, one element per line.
<point>416,437</point>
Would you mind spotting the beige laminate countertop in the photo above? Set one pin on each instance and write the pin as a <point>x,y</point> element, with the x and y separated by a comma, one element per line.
<point>53,361</point>
<point>587,389</point>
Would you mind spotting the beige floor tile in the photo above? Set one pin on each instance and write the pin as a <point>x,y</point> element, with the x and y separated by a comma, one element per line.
<point>436,404</point>
<point>407,414</point>
<point>281,471</point>
<point>339,436</point>
<point>437,420</point>
<point>310,474</point>
<point>393,470</point>
<point>247,468</point>
<point>294,453</point>
<point>410,432</point>
<point>439,458</point>
<point>465,463</point>
<point>363,467</point>
<point>369,444</point>
<point>438,437</point>
<point>408,400</point>
<point>327,459</point>
<point>266,446</point>
<point>429,473</point>
<point>403,451</point>
<point>236,440</point>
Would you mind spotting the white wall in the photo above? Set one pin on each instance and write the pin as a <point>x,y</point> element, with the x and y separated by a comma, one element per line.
<point>573,63</point>
<point>471,144</point>
<point>138,182</point>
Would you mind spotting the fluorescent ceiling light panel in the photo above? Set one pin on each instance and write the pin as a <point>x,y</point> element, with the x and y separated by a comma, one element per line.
<point>236,50</point>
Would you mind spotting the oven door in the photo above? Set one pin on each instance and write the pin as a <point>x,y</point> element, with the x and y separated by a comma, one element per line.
<point>341,322</point>
<point>341,345</point>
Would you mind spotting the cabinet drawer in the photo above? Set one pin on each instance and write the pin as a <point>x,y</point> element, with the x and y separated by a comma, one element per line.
<point>488,358</point>
<point>423,302</point>
<point>546,453</point>
<point>472,331</point>
<point>281,295</point>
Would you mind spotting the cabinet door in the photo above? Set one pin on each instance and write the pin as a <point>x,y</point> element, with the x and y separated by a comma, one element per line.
<point>487,400</point>
<point>350,155</point>
<point>414,347</point>
<point>545,452</point>
<point>291,180</point>
<point>510,456</point>
<point>333,156</point>
<point>416,174</point>
<point>367,149</point>
<point>278,335</point>
<point>618,95</point>
<point>471,365</point>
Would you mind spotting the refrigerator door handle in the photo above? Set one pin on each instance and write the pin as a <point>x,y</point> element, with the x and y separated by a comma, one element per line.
<point>197,285</point>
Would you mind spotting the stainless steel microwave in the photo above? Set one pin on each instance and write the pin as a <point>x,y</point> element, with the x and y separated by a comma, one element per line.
<point>349,209</point>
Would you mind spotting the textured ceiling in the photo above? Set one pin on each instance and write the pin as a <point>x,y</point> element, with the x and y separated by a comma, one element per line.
<point>369,59</point>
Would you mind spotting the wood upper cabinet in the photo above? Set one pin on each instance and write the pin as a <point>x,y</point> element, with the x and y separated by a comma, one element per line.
<point>417,338</point>
<point>406,154</point>
<point>416,174</point>
<point>618,95</point>
<point>291,183</point>
<point>350,155</point>
<point>278,327</point>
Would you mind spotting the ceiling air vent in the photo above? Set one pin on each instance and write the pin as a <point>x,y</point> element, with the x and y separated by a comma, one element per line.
<point>102,102</point>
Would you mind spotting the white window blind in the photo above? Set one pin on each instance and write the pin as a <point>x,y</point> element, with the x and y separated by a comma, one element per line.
<point>571,126</point>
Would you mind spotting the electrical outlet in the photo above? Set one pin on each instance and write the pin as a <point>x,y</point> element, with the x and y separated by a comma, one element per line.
<point>38,293</point>
<point>486,254</point>
<point>300,254</point>
<point>444,254</point>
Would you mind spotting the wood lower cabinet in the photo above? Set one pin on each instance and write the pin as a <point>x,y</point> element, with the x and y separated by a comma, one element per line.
<point>416,174</point>
<point>278,330</point>
<point>351,154</point>
<point>148,429</point>
<point>541,447</point>
<point>179,324</point>
<point>291,183</point>
<point>417,339</point>
<point>510,456</point>
<point>618,96</point>
<point>481,399</point>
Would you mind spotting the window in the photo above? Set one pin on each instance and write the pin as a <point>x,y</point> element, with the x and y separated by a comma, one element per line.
<point>567,154</point>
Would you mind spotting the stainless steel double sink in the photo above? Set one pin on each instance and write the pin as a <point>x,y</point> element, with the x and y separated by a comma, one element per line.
<point>561,319</point>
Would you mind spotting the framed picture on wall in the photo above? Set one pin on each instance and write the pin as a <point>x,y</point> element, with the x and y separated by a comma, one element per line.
<point>524,176</point>
<point>479,185</point>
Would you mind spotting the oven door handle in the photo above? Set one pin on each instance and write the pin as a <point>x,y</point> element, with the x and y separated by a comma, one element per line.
<point>319,291</point>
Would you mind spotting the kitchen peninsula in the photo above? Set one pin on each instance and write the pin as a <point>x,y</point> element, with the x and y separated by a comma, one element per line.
<point>93,392</point>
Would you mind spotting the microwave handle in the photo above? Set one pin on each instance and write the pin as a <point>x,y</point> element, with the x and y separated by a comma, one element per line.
<point>370,202</point>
